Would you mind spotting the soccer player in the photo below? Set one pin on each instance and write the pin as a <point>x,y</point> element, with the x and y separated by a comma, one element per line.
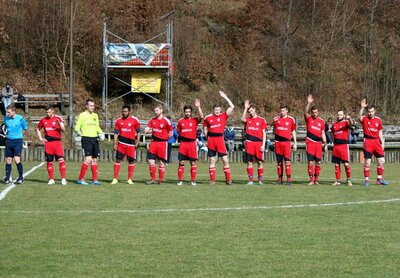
<point>126,141</point>
<point>340,153</point>
<point>256,135</point>
<point>315,138</point>
<point>214,126</point>
<point>53,126</point>
<point>373,142</point>
<point>187,130</point>
<point>88,127</point>
<point>161,130</point>
<point>284,131</point>
<point>15,127</point>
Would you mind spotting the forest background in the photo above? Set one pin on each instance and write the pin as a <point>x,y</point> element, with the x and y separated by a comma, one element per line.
<point>271,52</point>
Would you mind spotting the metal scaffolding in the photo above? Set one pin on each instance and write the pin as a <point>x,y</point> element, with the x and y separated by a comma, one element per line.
<point>161,62</point>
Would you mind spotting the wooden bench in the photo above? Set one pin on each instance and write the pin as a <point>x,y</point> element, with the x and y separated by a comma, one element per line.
<point>59,99</point>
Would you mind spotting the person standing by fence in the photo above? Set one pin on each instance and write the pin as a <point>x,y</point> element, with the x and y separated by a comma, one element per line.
<point>214,126</point>
<point>256,136</point>
<point>7,96</point>
<point>88,127</point>
<point>374,143</point>
<point>315,138</point>
<point>284,132</point>
<point>187,131</point>
<point>53,126</point>
<point>126,141</point>
<point>15,126</point>
<point>161,130</point>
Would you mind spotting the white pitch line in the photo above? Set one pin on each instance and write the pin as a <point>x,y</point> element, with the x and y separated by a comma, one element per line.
<point>4,193</point>
<point>175,210</point>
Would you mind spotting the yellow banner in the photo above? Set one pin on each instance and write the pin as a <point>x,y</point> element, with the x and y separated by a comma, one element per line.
<point>146,82</point>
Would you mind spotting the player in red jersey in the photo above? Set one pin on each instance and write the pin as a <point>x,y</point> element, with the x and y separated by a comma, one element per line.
<point>187,130</point>
<point>53,126</point>
<point>315,138</point>
<point>214,126</point>
<point>374,143</point>
<point>161,130</point>
<point>340,154</point>
<point>284,131</point>
<point>126,141</point>
<point>256,135</point>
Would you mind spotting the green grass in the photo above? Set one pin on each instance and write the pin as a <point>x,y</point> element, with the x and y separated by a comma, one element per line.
<point>126,230</point>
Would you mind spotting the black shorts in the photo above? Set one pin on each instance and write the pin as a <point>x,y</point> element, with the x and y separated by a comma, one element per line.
<point>90,146</point>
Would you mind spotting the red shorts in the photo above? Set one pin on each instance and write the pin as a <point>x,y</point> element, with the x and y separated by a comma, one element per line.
<point>340,153</point>
<point>314,151</point>
<point>253,152</point>
<point>216,145</point>
<point>126,150</point>
<point>373,147</point>
<point>283,151</point>
<point>187,151</point>
<point>158,150</point>
<point>54,148</point>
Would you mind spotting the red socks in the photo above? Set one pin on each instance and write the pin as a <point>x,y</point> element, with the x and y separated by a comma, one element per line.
<point>193,172</point>
<point>250,173</point>
<point>181,171</point>
<point>84,168</point>
<point>337,172</point>
<point>94,172</point>
<point>50,170</point>
<point>131,170</point>
<point>152,170</point>
<point>227,172</point>
<point>117,167</point>
<point>260,171</point>
<point>212,172</point>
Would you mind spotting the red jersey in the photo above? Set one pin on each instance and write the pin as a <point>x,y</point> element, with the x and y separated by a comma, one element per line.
<point>187,129</point>
<point>127,130</point>
<point>371,127</point>
<point>215,124</point>
<point>283,128</point>
<point>160,128</point>
<point>340,130</point>
<point>254,128</point>
<point>51,126</point>
<point>315,128</point>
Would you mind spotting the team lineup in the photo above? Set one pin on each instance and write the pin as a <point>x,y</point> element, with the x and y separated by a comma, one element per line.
<point>127,134</point>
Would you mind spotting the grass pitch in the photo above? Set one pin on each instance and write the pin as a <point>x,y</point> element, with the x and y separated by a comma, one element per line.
<point>170,231</point>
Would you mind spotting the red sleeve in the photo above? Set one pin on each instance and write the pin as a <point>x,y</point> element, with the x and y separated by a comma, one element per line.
<point>178,127</point>
<point>205,123</point>
<point>380,125</point>
<point>137,126</point>
<point>149,123</point>
<point>116,126</point>
<point>225,116</point>
<point>293,125</point>
<point>170,127</point>
<point>265,126</point>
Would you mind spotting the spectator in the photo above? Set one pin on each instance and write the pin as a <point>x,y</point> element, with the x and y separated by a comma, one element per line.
<point>171,140</point>
<point>229,137</point>
<point>6,96</point>
<point>200,141</point>
<point>328,131</point>
<point>354,132</point>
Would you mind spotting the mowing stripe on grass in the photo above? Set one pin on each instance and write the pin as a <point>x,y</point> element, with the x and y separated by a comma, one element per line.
<point>4,193</point>
<point>175,210</point>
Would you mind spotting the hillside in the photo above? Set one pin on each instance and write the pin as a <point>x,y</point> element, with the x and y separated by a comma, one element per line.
<point>271,52</point>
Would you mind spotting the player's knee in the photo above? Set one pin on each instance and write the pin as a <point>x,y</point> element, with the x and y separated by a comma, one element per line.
<point>182,163</point>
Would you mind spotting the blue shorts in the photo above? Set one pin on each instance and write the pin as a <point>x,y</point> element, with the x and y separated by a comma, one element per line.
<point>13,147</point>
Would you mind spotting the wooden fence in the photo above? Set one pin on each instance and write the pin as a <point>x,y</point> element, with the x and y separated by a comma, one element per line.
<point>392,155</point>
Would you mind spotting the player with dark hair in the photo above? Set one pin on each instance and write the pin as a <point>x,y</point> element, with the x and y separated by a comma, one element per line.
<point>88,127</point>
<point>256,136</point>
<point>126,141</point>
<point>53,126</point>
<point>161,130</point>
<point>374,143</point>
<point>187,130</point>
<point>16,127</point>
<point>214,126</point>
<point>284,131</point>
<point>315,138</point>
<point>340,154</point>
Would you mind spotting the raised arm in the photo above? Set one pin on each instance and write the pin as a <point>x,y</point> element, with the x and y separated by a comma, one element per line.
<point>310,100</point>
<point>246,107</point>
<point>363,105</point>
<point>198,106</point>
<point>231,106</point>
